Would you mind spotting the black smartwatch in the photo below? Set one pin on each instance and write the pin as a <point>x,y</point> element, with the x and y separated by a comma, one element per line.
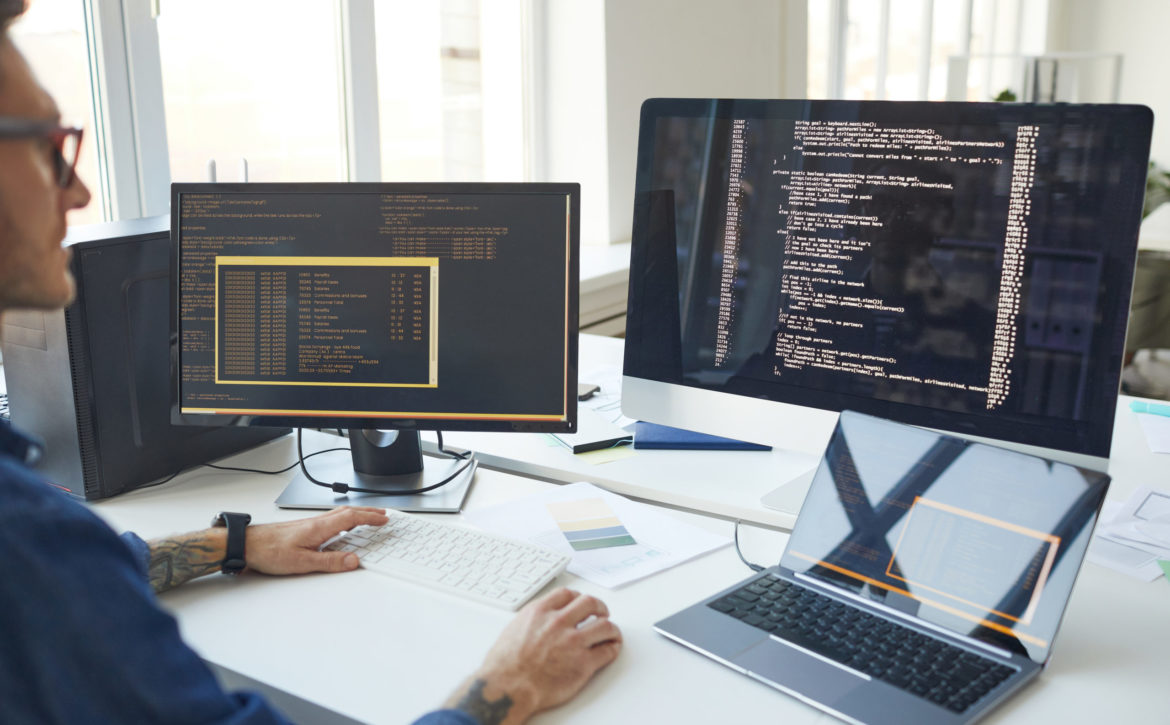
<point>233,560</point>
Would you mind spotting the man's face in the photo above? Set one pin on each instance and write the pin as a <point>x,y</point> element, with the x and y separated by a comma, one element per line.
<point>34,267</point>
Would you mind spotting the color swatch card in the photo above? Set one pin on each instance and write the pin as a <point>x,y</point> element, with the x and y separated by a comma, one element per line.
<point>611,539</point>
<point>589,524</point>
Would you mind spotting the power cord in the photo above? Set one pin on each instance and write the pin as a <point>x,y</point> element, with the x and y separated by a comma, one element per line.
<point>753,567</point>
<point>452,454</point>
<point>341,487</point>
<point>233,468</point>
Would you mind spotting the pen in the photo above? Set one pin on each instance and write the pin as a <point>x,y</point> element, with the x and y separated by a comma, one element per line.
<point>1144,406</point>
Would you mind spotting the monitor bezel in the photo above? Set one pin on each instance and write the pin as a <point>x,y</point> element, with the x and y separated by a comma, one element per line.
<point>479,424</point>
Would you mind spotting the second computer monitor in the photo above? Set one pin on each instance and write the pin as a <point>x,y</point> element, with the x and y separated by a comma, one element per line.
<point>960,266</point>
<point>401,306</point>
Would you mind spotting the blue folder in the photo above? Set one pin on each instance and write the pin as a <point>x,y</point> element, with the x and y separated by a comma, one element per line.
<point>662,437</point>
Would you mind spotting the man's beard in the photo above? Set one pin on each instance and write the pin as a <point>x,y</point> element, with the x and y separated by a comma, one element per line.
<point>21,289</point>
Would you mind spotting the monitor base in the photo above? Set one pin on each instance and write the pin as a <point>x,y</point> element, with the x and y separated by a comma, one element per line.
<point>789,497</point>
<point>301,493</point>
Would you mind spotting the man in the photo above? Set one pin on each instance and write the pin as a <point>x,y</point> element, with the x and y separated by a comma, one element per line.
<point>81,636</point>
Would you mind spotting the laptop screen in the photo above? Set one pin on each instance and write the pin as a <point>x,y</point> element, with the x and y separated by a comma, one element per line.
<point>982,541</point>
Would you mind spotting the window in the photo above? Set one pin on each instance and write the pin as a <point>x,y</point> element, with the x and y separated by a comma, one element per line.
<point>303,90</point>
<point>259,81</point>
<point>450,102</point>
<point>903,49</point>
<point>51,35</point>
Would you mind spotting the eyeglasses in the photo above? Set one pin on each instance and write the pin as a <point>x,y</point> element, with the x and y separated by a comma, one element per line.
<point>65,140</point>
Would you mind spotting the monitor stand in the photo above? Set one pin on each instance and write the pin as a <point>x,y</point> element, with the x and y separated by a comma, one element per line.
<point>389,461</point>
<point>790,496</point>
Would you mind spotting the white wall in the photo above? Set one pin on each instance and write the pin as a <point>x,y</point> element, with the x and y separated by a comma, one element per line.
<point>650,48</point>
<point>1140,29</point>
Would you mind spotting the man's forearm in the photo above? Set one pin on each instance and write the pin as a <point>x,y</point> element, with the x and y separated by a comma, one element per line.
<point>177,559</point>
<point>487,699</point>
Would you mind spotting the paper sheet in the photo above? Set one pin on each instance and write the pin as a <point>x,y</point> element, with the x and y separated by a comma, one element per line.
<point>1157,430</point>
<point>607,402</point>
<point>1142,522</point>
<point>660,540</point>
<point>1116,551</point>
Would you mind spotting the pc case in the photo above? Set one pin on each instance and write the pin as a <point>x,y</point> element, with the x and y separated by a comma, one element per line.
<point>93,381</point>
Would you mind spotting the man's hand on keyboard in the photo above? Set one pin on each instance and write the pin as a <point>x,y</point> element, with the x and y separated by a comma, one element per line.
<point>291,547</point>
<point>543,658</point>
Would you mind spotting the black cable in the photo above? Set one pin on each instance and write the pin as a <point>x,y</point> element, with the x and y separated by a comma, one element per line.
<point>340,487</point>
<point>461,456</point>
<point>232,468</point>
<point>159,483</point>
<point>753,567</point>
<point>273,473</point>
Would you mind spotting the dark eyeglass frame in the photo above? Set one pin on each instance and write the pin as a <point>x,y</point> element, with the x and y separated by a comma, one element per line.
<point>14,128</point>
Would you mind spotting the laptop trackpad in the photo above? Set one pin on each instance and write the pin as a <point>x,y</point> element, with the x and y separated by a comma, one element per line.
<point>800,672</point>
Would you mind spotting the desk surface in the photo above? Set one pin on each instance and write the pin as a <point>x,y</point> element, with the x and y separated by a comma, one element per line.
<point>725,483</point>
<point>378,650</point>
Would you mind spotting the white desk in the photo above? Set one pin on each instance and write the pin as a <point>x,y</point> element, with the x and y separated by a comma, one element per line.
<point>724,483</point>
<point>378,650</point>
<point>728,484</point>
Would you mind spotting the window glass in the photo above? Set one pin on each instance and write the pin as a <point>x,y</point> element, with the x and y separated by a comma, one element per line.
<point>410,90</point>
<point>450,100</point>
<point>818,49</point>
<point>861,51</point>
<point>257,80</point>
<point>998,34</point>
<point>51,35</point>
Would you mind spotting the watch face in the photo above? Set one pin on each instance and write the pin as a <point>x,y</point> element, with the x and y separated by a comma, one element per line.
<point>221,518</point>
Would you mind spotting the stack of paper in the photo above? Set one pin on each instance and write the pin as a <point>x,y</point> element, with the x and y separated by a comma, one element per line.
<point>612,540</point>
<point>1132,537</point>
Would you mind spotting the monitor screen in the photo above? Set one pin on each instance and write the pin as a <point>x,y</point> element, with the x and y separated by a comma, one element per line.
<point>417,306</point>
<point>961,266</point>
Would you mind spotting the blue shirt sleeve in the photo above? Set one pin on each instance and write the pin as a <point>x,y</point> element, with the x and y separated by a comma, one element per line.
<point>139,550</point>
<point>446,717</point>
<point>81,636</point>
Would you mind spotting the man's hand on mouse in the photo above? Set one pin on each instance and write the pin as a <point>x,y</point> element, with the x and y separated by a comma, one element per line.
<point>543,658</point>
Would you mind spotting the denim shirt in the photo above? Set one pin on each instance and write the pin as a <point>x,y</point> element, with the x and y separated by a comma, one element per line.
<point>82,638</point>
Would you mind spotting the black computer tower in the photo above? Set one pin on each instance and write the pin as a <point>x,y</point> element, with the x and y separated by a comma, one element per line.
<point>93,381</point>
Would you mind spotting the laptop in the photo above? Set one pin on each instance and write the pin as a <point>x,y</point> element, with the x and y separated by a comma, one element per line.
<point>924,580</point>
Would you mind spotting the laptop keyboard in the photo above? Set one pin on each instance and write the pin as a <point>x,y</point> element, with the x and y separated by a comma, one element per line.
<point>946,675</point>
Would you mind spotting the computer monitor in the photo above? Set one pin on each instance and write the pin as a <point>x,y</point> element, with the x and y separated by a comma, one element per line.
<point>375,307</point>
<point>92,380</point>
<point>959,266</point>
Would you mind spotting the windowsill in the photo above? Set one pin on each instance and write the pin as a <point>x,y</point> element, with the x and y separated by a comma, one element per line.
<point>605,275</point>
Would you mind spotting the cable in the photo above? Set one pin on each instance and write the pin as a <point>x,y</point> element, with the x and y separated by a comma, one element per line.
<point>273,473</point>
<point>753,567</point>
<point>452,454</point>
<point>340,487</point>
<point>165,480</point>
<point>232,468</point>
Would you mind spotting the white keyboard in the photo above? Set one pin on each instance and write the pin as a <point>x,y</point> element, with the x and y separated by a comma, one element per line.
<point>466,562</point>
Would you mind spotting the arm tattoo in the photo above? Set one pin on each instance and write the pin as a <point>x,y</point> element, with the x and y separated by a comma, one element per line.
<point>476,705</point>
<point>178,559</point>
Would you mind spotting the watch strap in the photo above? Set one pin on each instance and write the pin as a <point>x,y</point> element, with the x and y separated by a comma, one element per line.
<point>234,560</point>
